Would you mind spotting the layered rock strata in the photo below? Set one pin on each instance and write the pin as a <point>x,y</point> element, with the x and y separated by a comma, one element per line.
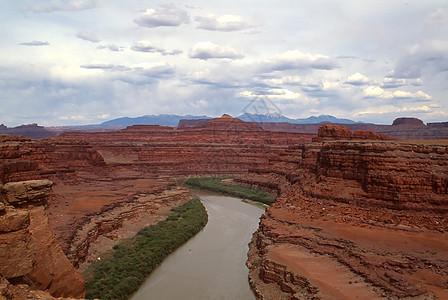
<point>353,220</point>
<point>220,146</point>
<point>29,252</point>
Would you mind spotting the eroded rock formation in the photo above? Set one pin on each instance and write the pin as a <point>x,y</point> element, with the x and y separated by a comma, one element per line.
<point>29,252</point>
<point>335,132</point>
<point>354,219</point>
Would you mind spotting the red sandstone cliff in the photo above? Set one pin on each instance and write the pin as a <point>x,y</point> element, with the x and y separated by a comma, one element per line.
<point>221,146</point>
<point>354,219</point>
<point>29,252</point>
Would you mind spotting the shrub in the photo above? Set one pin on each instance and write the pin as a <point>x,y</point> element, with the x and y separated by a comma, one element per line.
<point>214,184</point>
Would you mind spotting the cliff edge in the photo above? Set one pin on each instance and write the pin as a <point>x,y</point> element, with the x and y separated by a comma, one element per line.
<point>29,253</point>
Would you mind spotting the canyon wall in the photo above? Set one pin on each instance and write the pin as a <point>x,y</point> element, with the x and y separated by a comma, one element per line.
<point>220,146</point>
<point>370,209</point>
<point>354,219</point>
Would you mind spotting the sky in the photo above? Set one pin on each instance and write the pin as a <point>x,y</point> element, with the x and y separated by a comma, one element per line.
<point>71,62</point>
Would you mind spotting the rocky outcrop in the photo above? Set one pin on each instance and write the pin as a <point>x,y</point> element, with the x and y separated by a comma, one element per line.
<point>29,252</point>
<point>336,132</point>
<point>354,219</point>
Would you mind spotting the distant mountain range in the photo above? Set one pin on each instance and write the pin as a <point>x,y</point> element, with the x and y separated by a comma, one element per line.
<point>165,120</point>
<point>173,120</point>
<point>277,118</point>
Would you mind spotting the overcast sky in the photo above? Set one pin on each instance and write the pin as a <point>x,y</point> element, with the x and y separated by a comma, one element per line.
<point>86,61</point>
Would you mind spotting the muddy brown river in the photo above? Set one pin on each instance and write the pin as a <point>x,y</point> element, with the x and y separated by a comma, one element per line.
<point>211,265</point>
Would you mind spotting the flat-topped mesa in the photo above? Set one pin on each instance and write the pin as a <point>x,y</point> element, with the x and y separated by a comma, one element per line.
<point>409,123</point>
<point>29,252</point>
<point>337,132</point>
<point>227,122</point>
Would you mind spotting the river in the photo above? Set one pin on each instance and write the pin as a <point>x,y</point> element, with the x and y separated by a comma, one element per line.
<point>211,265</point>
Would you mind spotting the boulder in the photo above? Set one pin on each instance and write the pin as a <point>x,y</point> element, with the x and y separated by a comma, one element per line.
<point>31,191</point>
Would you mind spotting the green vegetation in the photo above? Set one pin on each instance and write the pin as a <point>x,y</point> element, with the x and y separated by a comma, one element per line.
<point>120,274</point>
<point>214,184</point>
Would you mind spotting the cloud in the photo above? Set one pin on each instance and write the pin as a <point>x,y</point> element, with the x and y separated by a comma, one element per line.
<point>59,5</point>
<point>154,70</point>
<point>88,36</point>
<point>377,92</point>
<point>291,60</point>
<point>103,116</point>
<point>283,94</point>
<point>145,46</point>
<point>438,18</point>
<point>278,81</point>
<point>428,57</point>
<point>358,79</point>
<point>373,91</point>
<point>208,50</point>
<point>111,47</point>
<point>389,110</point>
<point>222,23</point>
<point>419,95</point>
<point>35,43</point>
<point>165,15</point>
<point>104,66</point>
<point>398,82</point>
<point>73,117</point>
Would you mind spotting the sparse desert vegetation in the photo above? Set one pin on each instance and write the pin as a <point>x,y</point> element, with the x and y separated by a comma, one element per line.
<point>215,184</point>
<point>120,272</point>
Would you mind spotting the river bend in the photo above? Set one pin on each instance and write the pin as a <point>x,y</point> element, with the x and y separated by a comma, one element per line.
<point>211,265</point>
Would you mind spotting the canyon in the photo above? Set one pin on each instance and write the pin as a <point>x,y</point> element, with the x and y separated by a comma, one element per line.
<point>358,213</point>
